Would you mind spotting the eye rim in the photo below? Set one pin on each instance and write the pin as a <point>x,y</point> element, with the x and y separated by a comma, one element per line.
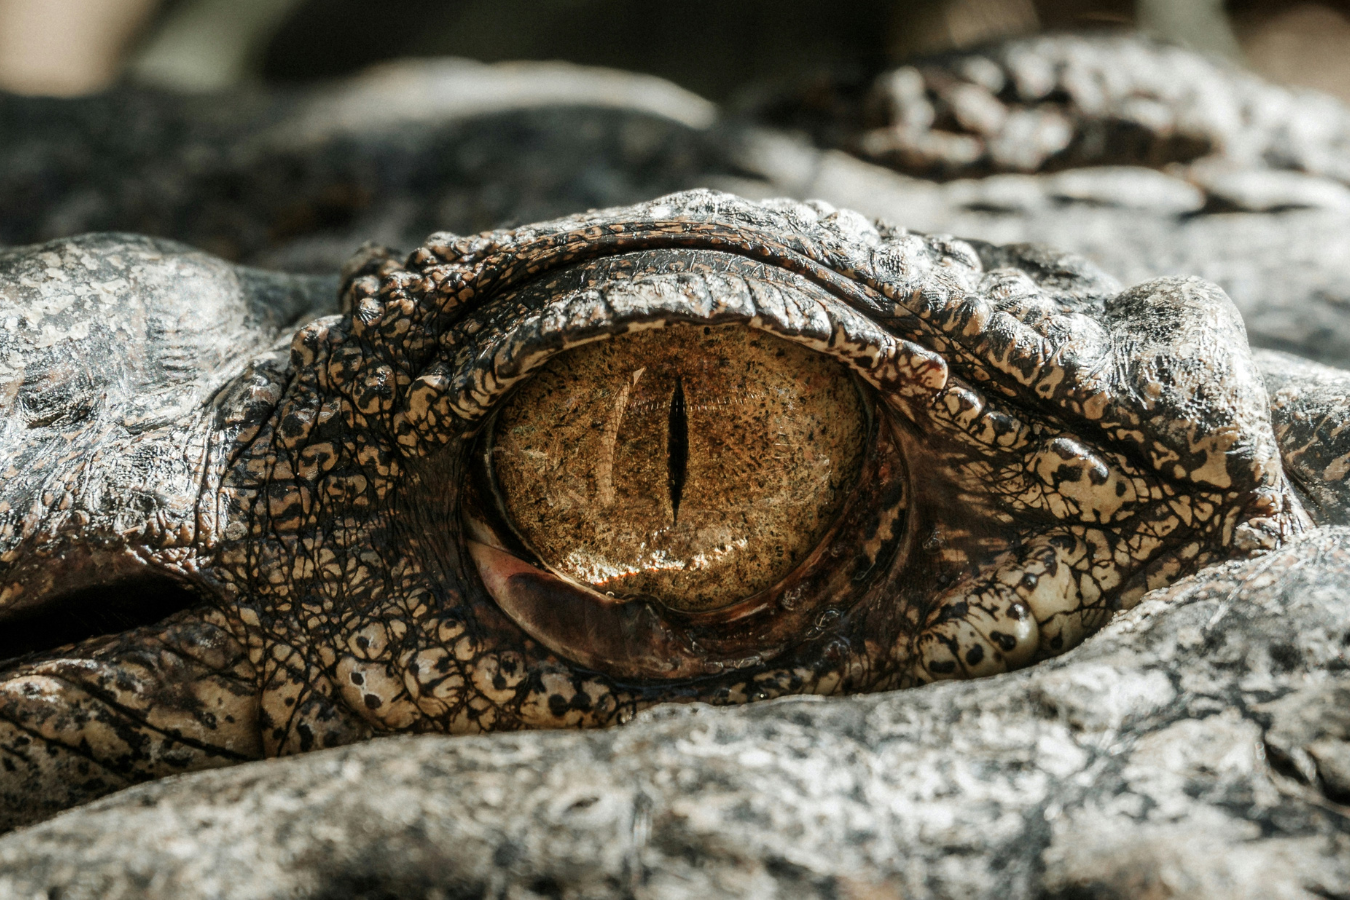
<point>748,632</point>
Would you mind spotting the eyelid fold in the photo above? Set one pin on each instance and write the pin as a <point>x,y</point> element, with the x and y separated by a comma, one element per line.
<point>490,360</point>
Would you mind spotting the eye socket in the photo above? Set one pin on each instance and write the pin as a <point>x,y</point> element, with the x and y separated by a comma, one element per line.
<point>760,435</point>
<point>692,466</point>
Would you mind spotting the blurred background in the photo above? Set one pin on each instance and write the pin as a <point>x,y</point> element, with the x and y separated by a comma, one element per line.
<point>713,47</point>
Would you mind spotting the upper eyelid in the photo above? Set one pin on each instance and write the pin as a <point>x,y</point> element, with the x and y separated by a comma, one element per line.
<point>938,316</point>
<point>489,360</point>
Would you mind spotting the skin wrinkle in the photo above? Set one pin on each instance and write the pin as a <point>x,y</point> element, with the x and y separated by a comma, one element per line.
<point>1021,483</point>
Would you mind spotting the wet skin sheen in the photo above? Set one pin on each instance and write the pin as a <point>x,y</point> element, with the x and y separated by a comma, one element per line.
<point>696,449</point>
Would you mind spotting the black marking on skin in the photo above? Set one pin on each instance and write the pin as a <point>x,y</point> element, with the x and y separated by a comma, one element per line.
<point>677,449</point>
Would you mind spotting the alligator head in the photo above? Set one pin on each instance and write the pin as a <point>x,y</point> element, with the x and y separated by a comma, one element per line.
<point>695,449</point>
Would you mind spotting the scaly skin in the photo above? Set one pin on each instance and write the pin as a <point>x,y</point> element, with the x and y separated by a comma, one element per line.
<point>1067,446</point>
<point>1059,101</point>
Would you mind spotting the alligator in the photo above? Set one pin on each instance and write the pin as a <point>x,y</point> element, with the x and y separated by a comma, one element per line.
<point>861,459</point>
<point>697,449</point>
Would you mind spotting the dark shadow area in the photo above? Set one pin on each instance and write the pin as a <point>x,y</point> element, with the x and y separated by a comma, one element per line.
<point>712,48</point>
<point>708,46</point>
<point>93,612</point>
<point>306,203</point>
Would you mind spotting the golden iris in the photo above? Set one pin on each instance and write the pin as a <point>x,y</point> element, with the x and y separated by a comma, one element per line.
<point>691,465</point>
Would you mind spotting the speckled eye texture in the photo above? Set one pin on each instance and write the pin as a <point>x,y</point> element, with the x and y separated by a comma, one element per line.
<point>695,466</point>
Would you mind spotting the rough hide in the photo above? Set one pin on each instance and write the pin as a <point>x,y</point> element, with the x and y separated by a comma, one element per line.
<point>1147,159</point>
<point>1046,449</point>
<point>1197,747</point>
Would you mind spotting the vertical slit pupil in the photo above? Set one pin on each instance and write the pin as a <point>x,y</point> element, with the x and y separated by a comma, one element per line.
<point>677,444</point>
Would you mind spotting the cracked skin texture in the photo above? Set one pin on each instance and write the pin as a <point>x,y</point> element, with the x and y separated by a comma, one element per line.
<point>1058,446</point>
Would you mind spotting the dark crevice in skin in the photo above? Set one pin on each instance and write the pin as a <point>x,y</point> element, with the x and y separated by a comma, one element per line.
<point>677,449</point>
<point>94,612</point>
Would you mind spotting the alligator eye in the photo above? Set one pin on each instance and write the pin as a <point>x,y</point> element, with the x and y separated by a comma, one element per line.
<point>685,500</point>
<point>691,466</point>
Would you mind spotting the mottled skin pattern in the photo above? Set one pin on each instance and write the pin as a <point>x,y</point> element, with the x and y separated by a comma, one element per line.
<point>1145,158</point>
<point>1068,445</point>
